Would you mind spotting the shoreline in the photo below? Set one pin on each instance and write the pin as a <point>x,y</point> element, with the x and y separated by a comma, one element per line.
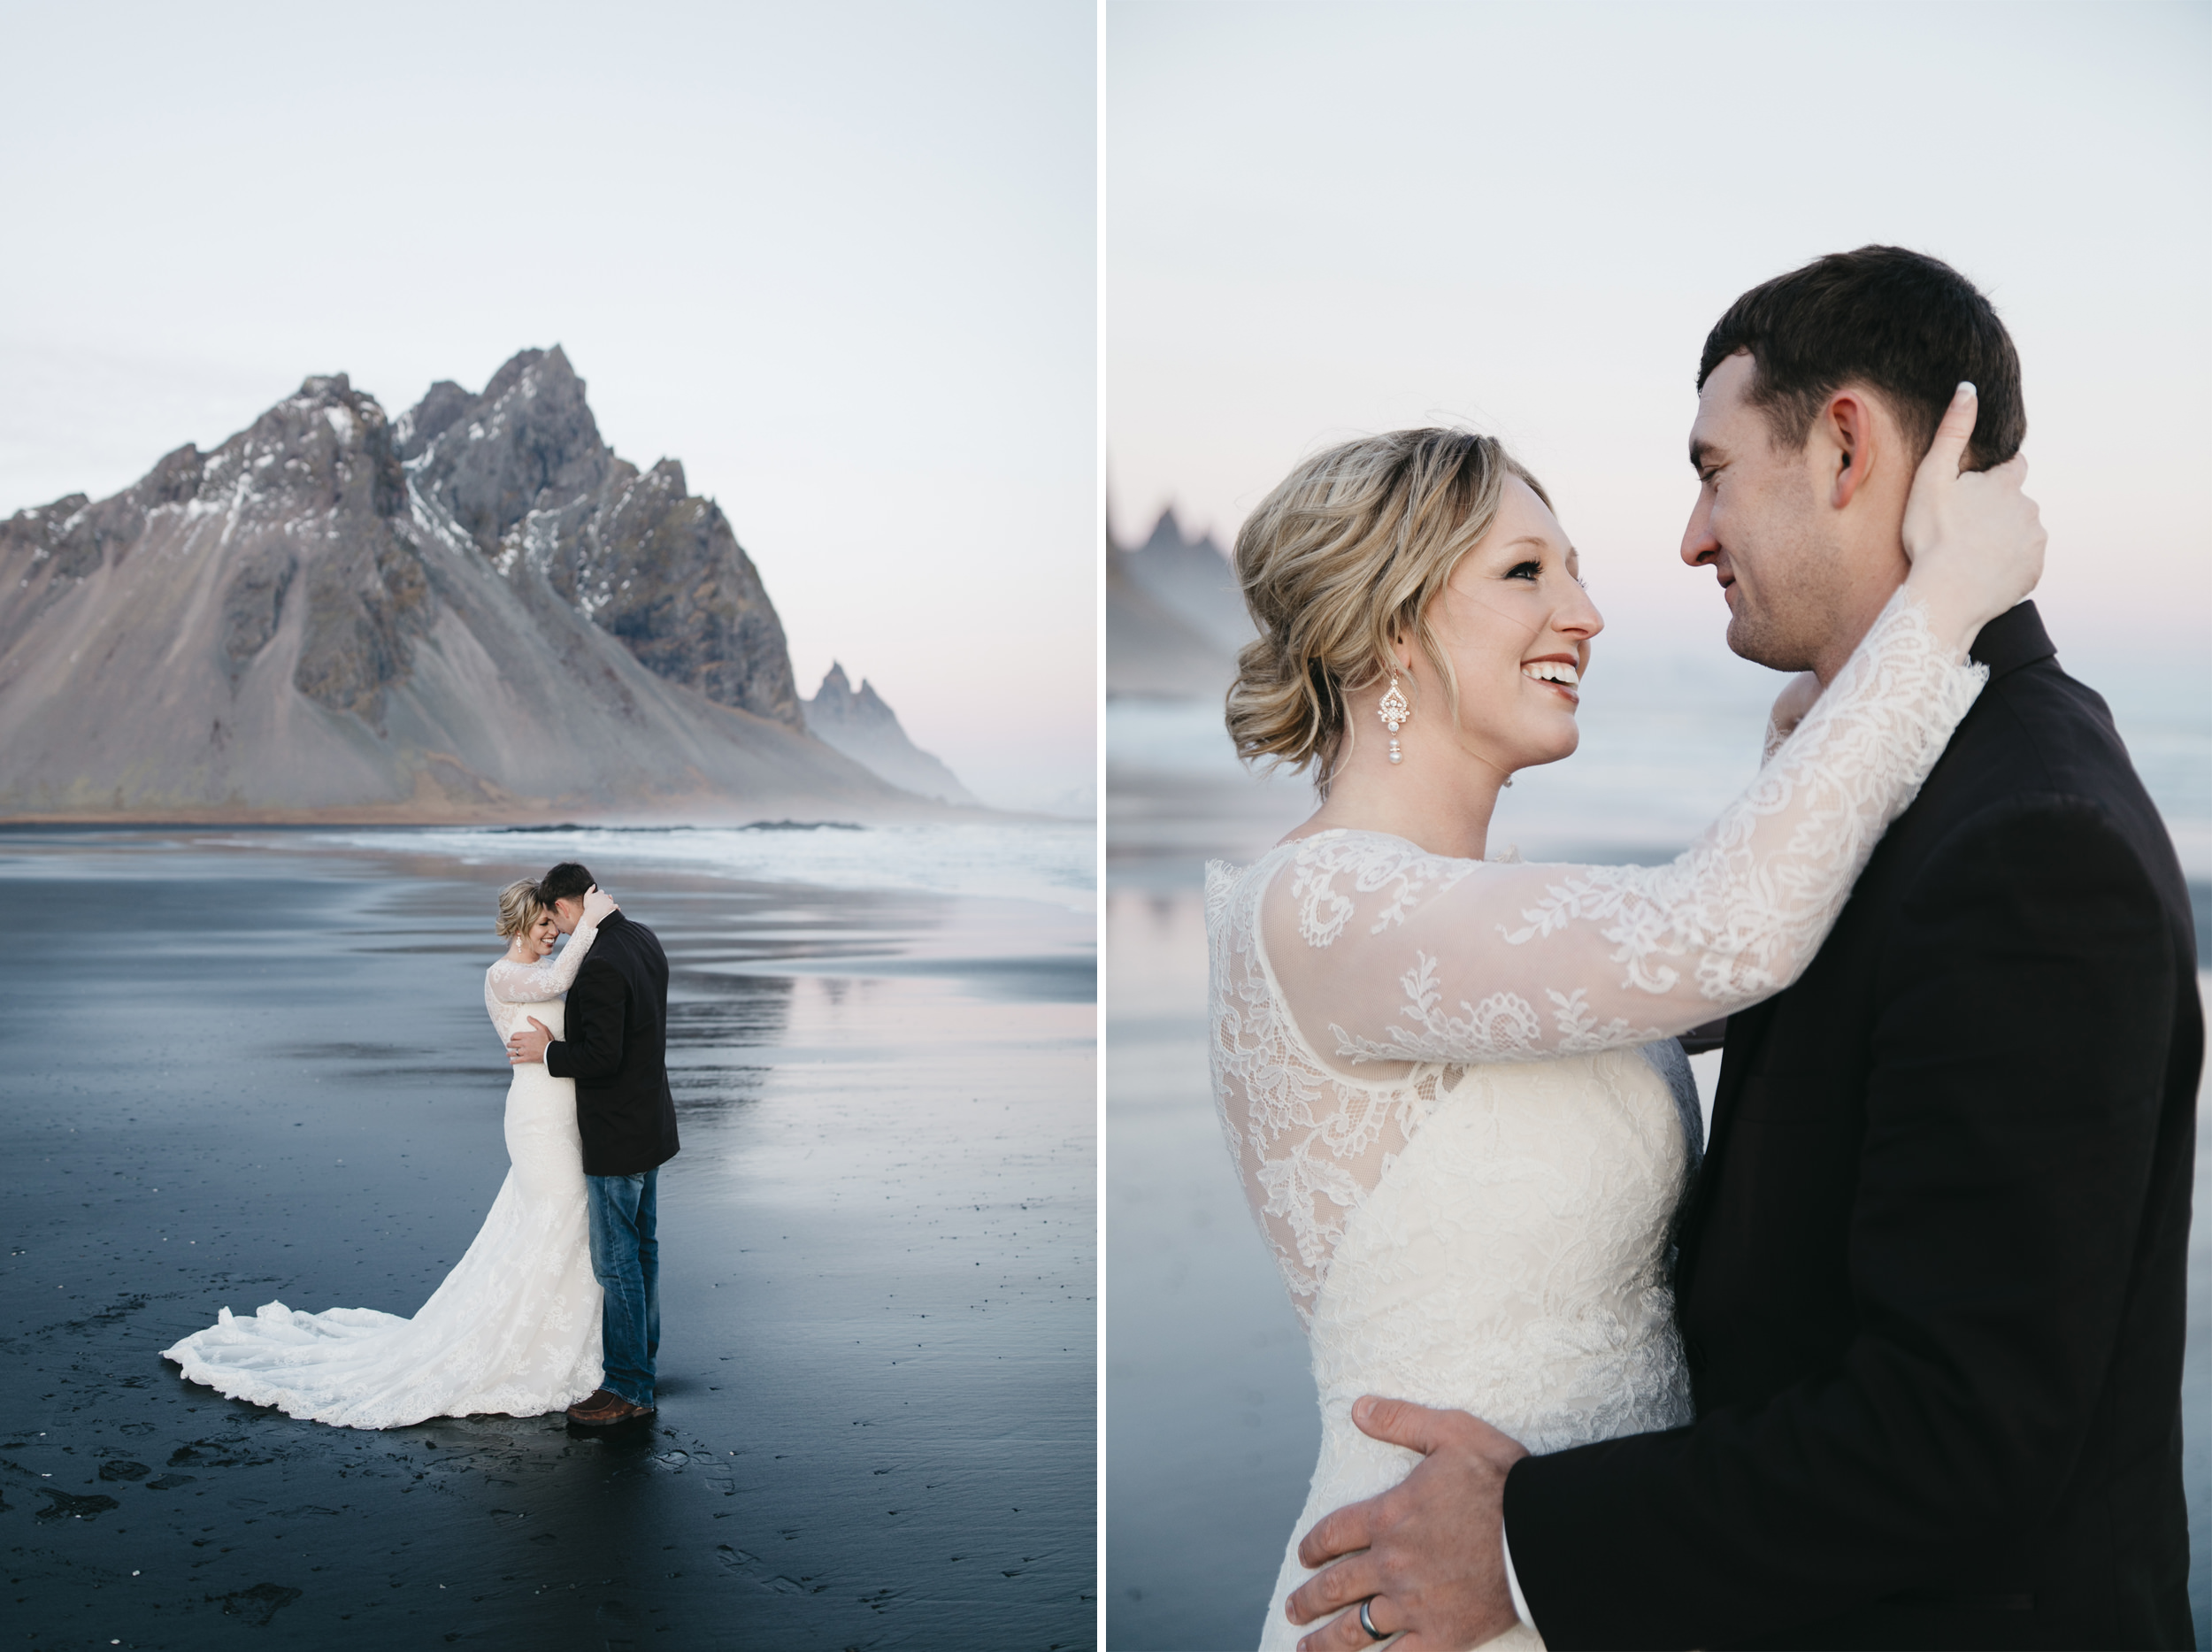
<point>722,813</point>
<point>1048,863</point>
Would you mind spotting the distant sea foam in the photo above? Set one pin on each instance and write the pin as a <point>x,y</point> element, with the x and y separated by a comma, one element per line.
<point>1051,862</point>
<point>1668,741</point>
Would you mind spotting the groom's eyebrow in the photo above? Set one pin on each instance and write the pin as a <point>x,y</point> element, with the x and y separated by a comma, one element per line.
<point>1701,450</point>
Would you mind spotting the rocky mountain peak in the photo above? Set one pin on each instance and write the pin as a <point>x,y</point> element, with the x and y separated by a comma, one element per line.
<point>839,702</point>
<point>421,424</point>
<point>523,474</point>
<point>865,728</point>
<point>1175,617</point>
<point>329,554</point>
<point>1167,535</point>
<point>528,441</point>
<point>313,484</point>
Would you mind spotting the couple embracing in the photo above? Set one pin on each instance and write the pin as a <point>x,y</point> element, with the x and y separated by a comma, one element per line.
<point>557,1304</point>
<point>1898,1363</point>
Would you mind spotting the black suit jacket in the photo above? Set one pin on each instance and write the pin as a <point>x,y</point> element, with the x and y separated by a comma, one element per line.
<point>1933,1276</point>
<point>616,1051</point>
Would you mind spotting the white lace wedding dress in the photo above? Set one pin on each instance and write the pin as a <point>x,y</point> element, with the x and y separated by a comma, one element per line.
<point>1441,1083</point>
<point>513,1328</point>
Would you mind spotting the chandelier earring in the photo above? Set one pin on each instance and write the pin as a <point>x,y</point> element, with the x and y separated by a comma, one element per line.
<point>1396,713</point>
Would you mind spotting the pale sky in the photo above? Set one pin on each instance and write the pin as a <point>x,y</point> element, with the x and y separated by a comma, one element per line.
<point>839,258</point>
<point>1323,220</point>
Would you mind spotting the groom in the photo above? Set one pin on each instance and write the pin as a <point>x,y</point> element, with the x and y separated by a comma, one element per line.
<point>616,1051</point>
<point>1933,1279</point>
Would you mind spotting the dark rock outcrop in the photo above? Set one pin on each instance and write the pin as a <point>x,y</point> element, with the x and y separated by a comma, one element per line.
<point>67,540</point>
<point>865,729</point>
<point>523,470</point>
<point>253,602</point>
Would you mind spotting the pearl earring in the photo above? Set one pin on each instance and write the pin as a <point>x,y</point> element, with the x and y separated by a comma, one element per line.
<point>1396,713</point>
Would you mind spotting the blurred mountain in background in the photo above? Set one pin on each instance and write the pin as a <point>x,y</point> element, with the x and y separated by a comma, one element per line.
<point>866,730</point>
<point>1174,616</point>
<point>477,611</point>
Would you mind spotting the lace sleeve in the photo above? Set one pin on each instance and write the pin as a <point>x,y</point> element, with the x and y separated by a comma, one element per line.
<point>1385,953</point>
<point>533,983</point>
<point>1773,742</point>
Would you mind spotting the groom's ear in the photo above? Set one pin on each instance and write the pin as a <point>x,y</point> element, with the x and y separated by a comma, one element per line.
<point>1849,427</point>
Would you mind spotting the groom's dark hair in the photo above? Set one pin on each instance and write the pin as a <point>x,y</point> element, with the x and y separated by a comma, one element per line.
<point>1897,321</point>
<point>567,881</point>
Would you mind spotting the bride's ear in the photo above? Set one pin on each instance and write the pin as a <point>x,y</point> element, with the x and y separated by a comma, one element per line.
<point>1401,650</point>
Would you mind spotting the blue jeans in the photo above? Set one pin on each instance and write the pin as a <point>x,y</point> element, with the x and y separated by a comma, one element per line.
<point>627,1258</point>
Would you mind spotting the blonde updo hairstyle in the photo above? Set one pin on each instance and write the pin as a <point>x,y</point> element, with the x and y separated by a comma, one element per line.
<point>1339,564</point>
<point>520,907</point>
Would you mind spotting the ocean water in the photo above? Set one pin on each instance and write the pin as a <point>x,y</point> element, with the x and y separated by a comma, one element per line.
<point>1667,742</point>
<point>1211,1426</point>
<point>1054,862</point>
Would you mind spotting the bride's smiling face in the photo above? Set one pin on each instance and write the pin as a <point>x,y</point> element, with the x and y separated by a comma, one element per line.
<point>1517,624</point>
<point>537,941</point>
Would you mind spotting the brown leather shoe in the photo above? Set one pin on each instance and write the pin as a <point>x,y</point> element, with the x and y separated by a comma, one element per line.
<point>605,1408</point>
<point>597,1400</point>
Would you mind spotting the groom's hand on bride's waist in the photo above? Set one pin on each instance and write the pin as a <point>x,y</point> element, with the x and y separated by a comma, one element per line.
<point>526,1047</point>
<point>1433,1565</point>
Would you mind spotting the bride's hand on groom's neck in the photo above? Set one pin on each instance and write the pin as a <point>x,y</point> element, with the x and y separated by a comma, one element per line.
<point>1427,1553</point>
<point>1974,539</point>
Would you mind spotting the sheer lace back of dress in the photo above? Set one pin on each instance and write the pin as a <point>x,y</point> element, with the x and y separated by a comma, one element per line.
<point>1308,1142</point>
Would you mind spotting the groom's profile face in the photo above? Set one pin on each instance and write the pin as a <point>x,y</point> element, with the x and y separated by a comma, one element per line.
<point>1758,525</point>
<point>568,911</point>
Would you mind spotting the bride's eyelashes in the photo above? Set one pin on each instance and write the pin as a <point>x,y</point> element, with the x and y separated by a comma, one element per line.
<point>1533,573</point>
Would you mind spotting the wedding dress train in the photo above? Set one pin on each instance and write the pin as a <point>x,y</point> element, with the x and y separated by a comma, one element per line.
<point>1445,1089</point>
<point>513,1328</point>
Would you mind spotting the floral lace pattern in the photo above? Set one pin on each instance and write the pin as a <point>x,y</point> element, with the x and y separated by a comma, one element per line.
<point>1308,1142</point>
<point>1402,873</point>
<point>513,1328</point>
<point>511,988</point>
<point>1413,966</point>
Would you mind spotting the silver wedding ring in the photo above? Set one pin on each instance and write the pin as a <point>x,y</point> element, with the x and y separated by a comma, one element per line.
<point>1367,1623</point>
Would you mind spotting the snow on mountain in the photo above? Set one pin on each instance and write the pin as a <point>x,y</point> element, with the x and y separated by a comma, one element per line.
<point>475,612</point>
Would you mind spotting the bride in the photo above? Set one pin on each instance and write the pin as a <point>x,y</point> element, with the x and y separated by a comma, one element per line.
<point>515,1326</point>
<point>1450,1084</point>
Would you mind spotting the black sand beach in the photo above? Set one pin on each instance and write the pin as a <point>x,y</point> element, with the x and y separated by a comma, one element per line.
<point>240,1070</point>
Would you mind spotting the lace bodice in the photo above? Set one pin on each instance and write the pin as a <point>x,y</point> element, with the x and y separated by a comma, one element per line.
<point>1355,977</point>
<point>511,988</point>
